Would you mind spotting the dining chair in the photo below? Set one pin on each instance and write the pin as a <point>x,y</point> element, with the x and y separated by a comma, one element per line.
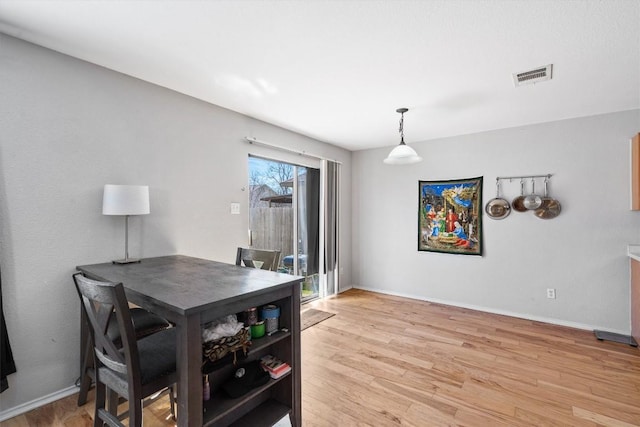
<point>258,258</point>
<point>138,369</point>
<point>144,323</point>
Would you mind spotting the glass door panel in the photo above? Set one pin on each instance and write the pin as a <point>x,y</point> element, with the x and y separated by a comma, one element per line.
<point>308,229</point>
<point>284,215</point>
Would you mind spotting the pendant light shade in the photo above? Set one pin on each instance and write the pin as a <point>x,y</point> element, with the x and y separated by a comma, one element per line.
<point>402,154</point>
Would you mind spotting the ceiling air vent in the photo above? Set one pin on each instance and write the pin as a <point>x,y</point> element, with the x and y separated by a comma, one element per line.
<point>536,75</point>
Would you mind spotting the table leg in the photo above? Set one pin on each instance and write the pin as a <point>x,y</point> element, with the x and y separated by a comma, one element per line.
<point>296,412</point>
<point>189,364</point>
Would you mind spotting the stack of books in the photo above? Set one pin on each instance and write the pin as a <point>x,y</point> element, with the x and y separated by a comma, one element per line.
<point>274,366</point>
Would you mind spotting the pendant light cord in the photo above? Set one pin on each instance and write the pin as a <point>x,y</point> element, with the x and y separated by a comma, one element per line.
<point>401,130</point>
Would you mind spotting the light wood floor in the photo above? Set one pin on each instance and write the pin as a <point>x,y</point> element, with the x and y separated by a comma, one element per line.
<point>386,361</point>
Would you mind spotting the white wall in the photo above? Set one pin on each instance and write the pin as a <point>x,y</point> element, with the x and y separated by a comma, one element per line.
<point>68,127</point>
<point>581,253</point>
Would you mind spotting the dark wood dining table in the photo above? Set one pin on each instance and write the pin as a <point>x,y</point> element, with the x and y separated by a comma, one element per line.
<point>191,292</point>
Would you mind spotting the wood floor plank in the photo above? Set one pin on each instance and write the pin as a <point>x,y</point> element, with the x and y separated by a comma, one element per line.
<point>600,419</point>
<point>19,421</point>
<point>387,361</point>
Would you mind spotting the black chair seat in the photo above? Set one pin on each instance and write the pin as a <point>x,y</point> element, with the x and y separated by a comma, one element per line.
<point>144,323</point>
<point>157,354</point>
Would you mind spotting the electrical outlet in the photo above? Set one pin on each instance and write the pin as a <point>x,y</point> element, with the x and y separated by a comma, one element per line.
<point>551,293</point>
<point>235,208</point>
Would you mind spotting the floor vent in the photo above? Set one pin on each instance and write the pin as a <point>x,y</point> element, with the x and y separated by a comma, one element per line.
<point>536,75</point>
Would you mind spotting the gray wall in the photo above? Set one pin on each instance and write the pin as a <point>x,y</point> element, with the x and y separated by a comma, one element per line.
<point>581,253</point>
<point>68,127</point>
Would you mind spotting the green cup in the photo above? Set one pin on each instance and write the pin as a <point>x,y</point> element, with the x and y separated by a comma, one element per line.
<point>257,330</point>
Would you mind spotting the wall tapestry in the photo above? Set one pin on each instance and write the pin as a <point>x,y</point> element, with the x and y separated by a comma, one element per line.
<point>450,216</point>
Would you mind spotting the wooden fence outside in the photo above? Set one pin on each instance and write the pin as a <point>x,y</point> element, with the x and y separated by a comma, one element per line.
<point>272,228</point>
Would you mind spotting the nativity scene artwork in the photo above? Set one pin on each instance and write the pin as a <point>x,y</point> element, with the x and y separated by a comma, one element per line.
<point>449,216</point>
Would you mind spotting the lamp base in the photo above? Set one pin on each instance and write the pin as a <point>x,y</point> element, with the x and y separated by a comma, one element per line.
<point>126,261</point>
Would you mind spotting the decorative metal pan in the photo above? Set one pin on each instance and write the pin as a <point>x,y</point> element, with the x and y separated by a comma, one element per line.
<point>518,203</point>
<point>498,208</point>
<point>550,207</point>
<point>532,201</point>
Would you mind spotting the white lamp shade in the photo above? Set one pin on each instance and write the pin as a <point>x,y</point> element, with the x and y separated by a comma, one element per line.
<point>125,200</point>
<point>402,155</point>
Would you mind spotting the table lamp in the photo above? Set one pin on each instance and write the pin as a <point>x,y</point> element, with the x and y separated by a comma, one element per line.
<point>125,200</point>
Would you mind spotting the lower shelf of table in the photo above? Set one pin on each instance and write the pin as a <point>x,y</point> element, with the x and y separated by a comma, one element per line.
<point>221,408</point>
<point>265,415</point>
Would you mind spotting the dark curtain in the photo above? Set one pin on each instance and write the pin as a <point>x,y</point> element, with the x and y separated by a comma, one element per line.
<point>7,365</point>
<point>313,220</point>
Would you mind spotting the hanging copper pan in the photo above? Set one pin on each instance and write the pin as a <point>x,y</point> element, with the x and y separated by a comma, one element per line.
<point>518,203</point>
<point>550,207</point>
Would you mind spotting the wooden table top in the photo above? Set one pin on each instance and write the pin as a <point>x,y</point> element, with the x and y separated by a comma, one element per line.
<point>187,285</point>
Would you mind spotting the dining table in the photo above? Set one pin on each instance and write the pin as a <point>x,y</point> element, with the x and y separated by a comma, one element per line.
<point>191,292</point>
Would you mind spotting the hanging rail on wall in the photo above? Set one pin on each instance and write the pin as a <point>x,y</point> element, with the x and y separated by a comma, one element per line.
<point>542,207</point>
<point>548,176</point>
<point>253,141</point>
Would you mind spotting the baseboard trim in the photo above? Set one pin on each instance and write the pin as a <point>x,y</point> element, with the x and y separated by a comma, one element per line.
<point>36,403</point>
<point>552,321</point>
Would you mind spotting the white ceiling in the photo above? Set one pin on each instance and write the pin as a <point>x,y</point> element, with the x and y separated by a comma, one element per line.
<point>337,70</point>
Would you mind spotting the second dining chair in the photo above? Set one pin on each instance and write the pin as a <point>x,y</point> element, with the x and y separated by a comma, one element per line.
<point>139,369</point>
<point>258,258</point>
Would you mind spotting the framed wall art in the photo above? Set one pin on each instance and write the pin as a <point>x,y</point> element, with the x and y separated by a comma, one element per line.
<point>450,216</point>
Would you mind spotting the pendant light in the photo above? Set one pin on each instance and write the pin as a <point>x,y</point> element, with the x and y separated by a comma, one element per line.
<point>402,154</point>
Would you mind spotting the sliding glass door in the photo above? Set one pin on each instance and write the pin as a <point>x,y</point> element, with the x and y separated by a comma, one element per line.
<point>284,215</point>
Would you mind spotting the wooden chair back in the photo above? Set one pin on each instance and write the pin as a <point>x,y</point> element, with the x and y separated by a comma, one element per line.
<point>258,258</point>
<point>118,370</point>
